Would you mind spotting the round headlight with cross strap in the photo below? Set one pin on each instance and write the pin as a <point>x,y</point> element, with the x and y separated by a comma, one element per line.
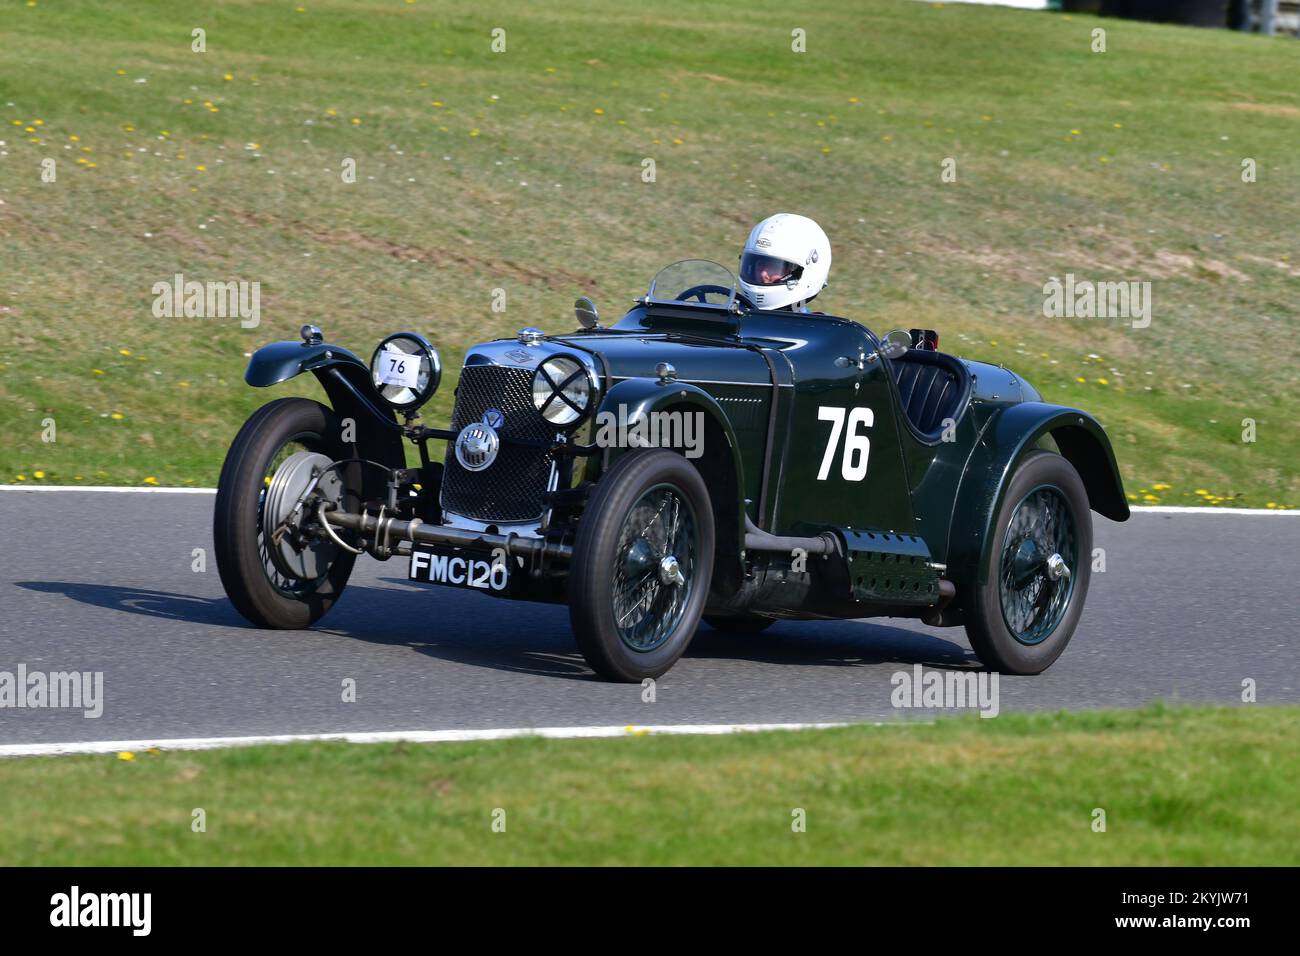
<point>564,390</point>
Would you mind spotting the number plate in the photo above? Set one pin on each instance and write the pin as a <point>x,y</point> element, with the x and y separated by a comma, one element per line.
<point>399,368</point>
<point>458,569</point>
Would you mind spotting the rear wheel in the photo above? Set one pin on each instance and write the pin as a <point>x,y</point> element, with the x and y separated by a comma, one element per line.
<point>274,575</point>
<point>1022,618</point>
<point>642,565</point>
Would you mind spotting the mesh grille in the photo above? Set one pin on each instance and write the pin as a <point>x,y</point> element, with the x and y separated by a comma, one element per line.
<point>511,488</point>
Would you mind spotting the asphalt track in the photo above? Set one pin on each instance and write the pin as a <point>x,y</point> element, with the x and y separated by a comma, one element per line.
<point>1190,605</point>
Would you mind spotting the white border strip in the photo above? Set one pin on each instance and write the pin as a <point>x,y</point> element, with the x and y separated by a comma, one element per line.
<point>1192,510</point>
<point>1136,509</point>
<point>112,488</point>
<point>394,736</point>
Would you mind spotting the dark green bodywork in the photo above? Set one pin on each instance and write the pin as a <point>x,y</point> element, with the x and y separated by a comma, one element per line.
<point>947,492</point>
<point>765,382</point>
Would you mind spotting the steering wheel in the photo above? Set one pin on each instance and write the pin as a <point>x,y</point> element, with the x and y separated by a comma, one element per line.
<point>698,292</point>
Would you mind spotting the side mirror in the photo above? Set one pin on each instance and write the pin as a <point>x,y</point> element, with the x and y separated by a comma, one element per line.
<point>895,345</point>
<point>586,312</point>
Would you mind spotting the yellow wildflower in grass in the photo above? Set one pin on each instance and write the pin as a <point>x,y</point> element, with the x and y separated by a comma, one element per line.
<point>1080,379</point>
<point>129,128</point>
<point>117,416</point>
<point>1132,497</point>
<point>20,477</point>
<point>38,474</point>
<point>121,72</point>
<point>331,112</point>
<point>201,168</point>
<point>98,371</point>
<point>1150,498</point>
<point>75,138</point>
<point>437,103</point>
<point>1161,486</point>
<point>1202,492</point>
<point>151,480</point>
<point>228,77</point>
<point>853,99</point>
<point>1075,132</point>
<point>125,755</point>
<point>825,150</point>
<point>38,122</point>
<point>356,121</point>
<point>1271,504</point>
<point>598,111</point>
<point>474,131</point>
<point>1103,381</point>
<point>123,351</point>
<point>678,141</point>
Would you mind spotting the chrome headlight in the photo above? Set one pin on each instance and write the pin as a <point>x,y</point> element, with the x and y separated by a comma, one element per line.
<point>405,370</point>
<point>564,390</point>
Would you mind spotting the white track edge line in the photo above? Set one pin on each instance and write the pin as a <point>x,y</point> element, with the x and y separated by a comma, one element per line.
<point>1139,509</point>
<point>396,736</point>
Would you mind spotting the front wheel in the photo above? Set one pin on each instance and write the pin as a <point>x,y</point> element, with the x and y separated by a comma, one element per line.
<point>278,576</point>
<point>1022,618</point>
<point>642,565</point>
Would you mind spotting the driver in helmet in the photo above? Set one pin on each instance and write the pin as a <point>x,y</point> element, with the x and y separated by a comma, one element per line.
<point>785,263</point>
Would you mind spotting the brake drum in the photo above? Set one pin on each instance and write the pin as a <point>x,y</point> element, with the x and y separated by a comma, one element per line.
<point>291,481</point>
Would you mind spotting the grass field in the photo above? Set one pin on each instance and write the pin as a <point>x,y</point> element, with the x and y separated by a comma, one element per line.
<point>1178,786</point>
<point>521,171</point>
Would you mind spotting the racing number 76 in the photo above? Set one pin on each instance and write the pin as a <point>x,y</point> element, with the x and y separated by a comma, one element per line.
<point>856,446</point>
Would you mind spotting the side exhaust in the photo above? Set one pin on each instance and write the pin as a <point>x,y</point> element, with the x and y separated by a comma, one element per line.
<point>388,531</point>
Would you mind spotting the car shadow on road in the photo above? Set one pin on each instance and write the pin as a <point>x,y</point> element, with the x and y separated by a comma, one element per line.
<point>488,632</point>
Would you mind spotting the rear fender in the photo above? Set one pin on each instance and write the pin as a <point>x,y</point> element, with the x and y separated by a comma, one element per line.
<point>1012,433</point>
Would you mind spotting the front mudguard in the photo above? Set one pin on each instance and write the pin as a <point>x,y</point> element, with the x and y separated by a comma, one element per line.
<point>719,461</point>
<point>1013,432</point>
<point>376,434</point>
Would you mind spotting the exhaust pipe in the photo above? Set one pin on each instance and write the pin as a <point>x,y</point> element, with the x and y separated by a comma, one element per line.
<point>758,540</point>
<point>386,532</point>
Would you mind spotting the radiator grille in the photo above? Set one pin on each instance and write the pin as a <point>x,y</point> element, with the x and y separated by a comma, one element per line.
<point>511,488</point>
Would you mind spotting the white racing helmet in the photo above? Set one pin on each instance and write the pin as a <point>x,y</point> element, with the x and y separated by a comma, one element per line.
<point>785,262</point>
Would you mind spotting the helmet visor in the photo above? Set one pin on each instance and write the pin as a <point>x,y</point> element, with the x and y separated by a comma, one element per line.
<point>758,269</point>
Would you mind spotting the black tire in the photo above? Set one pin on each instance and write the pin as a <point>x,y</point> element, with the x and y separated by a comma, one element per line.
<point>595,585</point>
<point>738,624</point>
<point>1048,474</point>
<point>235,525</point>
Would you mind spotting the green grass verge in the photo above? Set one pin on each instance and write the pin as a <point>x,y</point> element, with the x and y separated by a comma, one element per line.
<point>1178,786</point>
<point>522,171</point>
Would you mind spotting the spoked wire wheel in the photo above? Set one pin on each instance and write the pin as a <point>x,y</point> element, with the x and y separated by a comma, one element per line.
<point>1039,555</point>
<point>654,579</point>
<point>642,565</point>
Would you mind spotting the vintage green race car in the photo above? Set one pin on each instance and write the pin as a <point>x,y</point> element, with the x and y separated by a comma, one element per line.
<point>698,459</point>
